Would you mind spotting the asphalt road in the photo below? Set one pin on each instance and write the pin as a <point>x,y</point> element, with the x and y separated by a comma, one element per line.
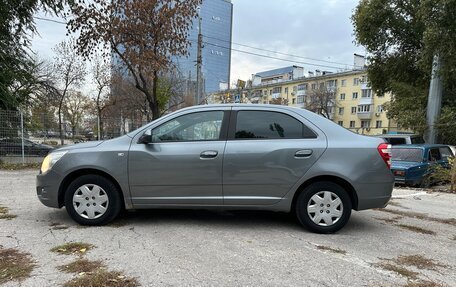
<point>221,248</point>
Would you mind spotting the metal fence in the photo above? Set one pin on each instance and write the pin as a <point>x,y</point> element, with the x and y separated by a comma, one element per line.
<point>25,135</point>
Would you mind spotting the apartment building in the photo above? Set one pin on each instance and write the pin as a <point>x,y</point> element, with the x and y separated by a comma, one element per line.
<point>344,97</point>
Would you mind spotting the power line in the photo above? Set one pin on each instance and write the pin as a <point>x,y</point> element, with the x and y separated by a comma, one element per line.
<point>272,57</point>
<point>50,20</point>
<point>280,53</point>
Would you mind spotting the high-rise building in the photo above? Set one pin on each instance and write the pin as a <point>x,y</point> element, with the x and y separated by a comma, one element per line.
<point>216,22</point>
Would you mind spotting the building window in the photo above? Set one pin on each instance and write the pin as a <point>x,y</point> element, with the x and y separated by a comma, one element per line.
<point>379,109</point>
<point>294,101</point>
<point>365,124</point>
<point>300,99</point>
<point>353,110</point>
<point>352,124</point>
<point>378,124</point>
<point>314,86</point>
<point>342,97</point>
<point>364,108</point>
<point>265,92</point>
<point>343,83</point>
<point>340,123</point>
<point>286,90</point>
<point>355,95</point>
<point>277,90</point>
<point>302,87</point>
<point>270,92</point>
<point>322,86</point>
<point>355,82</point>
<point>341,111</point>
<point>366,93</point>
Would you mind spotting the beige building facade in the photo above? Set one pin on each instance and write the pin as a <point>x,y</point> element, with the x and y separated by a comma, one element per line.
<point>345,97</point>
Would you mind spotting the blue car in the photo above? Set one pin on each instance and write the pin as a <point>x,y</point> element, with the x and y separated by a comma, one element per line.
<point>411,164</point>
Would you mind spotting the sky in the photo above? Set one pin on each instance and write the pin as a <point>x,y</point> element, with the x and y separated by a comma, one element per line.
<point>316,29</point>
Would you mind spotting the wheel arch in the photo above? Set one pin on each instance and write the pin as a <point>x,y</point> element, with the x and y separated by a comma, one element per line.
<point>80,172</point>
<point>331,178</point>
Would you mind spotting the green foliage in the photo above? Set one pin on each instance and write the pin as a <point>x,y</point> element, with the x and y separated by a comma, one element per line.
<point>444,174</point>
<point>401,37</point>
<point>16,65</point>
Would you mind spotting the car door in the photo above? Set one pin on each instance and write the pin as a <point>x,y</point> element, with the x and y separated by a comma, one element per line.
<point>183,162</point>
<point>267,152</point>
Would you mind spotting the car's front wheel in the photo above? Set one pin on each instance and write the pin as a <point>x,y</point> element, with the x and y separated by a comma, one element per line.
<point>92,200</point>
<point>323,207</point>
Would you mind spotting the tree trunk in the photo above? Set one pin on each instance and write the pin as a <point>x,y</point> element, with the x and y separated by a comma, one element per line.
<point>60,122</point>
<point>153,104</point>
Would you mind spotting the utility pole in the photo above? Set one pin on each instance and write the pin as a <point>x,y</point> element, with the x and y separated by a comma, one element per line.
<point>434,100</point>
<point>199,64</point>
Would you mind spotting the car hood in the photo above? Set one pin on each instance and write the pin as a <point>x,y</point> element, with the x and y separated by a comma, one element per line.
<point>404,164</point>
<point>80,146</point>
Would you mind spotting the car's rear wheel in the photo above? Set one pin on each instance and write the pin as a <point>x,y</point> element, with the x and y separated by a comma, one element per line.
<point>92,200</point>
<point>323,207</point>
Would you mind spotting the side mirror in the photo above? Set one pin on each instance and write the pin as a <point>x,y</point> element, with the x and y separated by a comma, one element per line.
<point>145,139</point>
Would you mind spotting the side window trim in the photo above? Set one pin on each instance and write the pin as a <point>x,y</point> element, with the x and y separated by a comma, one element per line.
<point>223,130</point>
<point>231,136</point>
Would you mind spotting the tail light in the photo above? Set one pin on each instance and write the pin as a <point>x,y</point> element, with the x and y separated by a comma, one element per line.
<point>384,150</point>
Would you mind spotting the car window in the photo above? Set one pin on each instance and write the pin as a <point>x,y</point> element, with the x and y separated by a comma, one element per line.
<point>407,154</point>
<point>434,154</point>
<point>445,152</point>
<point>201,126</point>
<point>270,125</point>
<point>395,141</point>
<point>417,140</point>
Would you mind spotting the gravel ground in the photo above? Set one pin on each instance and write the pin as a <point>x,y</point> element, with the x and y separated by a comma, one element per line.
<point>221,248</point>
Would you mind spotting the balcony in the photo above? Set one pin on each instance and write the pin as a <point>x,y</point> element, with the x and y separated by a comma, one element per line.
<point>365,115</point>
<point>275,95</point>
<point>301,93</point>
<point>366,101</point>
<point>365,85</point>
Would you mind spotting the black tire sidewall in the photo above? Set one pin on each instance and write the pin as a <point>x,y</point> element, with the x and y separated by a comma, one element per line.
<point>308,192</point>
<point>114,206</point>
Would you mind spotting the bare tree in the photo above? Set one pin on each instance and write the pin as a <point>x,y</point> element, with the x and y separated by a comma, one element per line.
<point>102,79</point>
<point>144,36</point>
<point>322,99</point>
<point>71,73</point>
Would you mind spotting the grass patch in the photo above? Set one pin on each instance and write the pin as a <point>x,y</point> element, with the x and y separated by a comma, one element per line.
<point>398,269</point>
<point>4,213</point>
<point>82,266</point>
<point>416,229</point>
<point>333,250</point>
<point>78,248</point>
<point>102,278</point>
<point>422,216</point>
<point>19,166</point>
<point>418,261</point>
<point>58,226</point>
<point>14,265</point>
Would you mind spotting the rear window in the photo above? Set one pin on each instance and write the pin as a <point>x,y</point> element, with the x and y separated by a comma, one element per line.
<point>395,141</point>
<point>417,140</point>
<point>407,154</point>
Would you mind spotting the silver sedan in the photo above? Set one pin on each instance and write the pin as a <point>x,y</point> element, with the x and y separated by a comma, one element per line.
<point>226,157</point>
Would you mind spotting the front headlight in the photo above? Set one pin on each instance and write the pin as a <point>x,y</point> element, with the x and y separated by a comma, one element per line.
<point>51,159</point>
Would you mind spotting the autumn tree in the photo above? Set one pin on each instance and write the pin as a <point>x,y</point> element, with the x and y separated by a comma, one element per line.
<point>322,98</point>
<point>71,74</point>
<point>401,38</point>
<point>76,106</point>
<point>142,35</point>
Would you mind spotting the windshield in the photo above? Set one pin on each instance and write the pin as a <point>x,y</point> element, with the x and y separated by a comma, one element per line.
<point>407,154</point>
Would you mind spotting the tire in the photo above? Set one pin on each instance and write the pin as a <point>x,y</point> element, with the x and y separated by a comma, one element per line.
<point>328,193</point>
<point>98,198</point>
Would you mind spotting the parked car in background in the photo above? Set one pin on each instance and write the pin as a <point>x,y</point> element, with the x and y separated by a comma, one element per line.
<point>401,139</point>
<point>412,164</point>
<point>13,146</point>
<point>224,157</point>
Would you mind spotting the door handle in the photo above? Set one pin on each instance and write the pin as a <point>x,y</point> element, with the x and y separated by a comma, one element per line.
<point>208,154</point>
<point>303,153</point>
